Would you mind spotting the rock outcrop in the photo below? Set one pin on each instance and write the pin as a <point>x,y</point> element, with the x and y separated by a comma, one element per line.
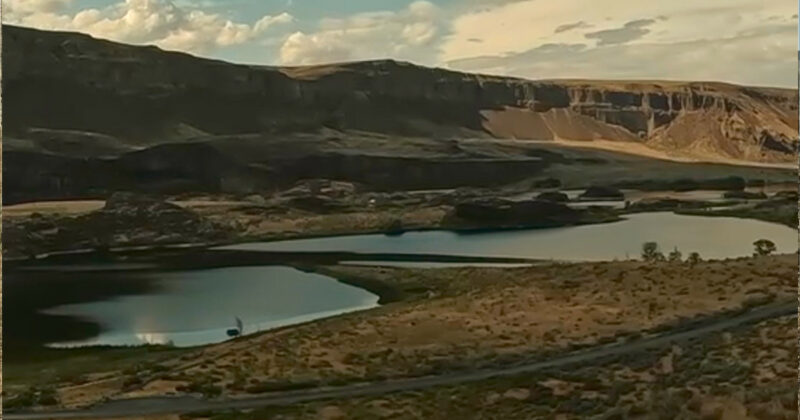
<point>599,192</point>
<point>495,212</point>
<point>554,196</point>
<point>144,96</point>
<point>127,219</point>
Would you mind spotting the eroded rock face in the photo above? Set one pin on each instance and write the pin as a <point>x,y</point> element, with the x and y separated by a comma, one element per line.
<point>142,95</point>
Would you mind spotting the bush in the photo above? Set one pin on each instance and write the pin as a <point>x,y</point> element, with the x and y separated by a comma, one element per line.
<point>205,387</point>
<point>763,247</point>
<point>650,252</point>
<point>675,255</point>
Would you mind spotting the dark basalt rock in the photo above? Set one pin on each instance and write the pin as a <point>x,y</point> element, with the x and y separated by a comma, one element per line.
<point>787,195</point>
<point>602,193</point>
<point>554,196</point>
<point>500,212</point>
<point>664,204</point>
<point>746,195</point>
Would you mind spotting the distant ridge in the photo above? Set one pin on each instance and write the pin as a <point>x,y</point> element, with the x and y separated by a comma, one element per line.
<point>143,95</point>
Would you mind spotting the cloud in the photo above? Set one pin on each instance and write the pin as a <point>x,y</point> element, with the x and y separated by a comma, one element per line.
<point>570,26</point>
<point>21,7</point>
<point>159,22</point>
<point>745,41</point>
<point>408,34</point>
<point>631,31</point>
<point>754,58</point>
<point>731,41</point>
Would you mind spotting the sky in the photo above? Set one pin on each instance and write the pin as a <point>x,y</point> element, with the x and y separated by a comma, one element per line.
<point>753,42</point>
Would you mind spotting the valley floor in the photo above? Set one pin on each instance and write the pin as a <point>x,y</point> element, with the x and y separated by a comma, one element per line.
<point>452,319</point>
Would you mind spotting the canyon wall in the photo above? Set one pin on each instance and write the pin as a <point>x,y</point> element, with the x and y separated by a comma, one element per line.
<point>143,95</point>
<point>84,117</point>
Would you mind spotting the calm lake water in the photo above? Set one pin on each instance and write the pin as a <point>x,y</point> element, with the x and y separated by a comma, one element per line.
<point>197,307</point>
<point>712,237</point>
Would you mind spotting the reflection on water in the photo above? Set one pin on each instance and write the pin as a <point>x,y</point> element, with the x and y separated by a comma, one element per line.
<point>712,237</point>
<point>197,307</point>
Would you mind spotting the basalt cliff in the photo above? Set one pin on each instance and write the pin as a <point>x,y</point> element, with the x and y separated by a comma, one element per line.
<point>74,103</point>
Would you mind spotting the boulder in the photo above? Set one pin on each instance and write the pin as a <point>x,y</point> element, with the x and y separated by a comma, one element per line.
<point>322,187</point>
<point>786,195</point>
<point>597,192</point>
<point>554,196</point>
<point>745,195</point>
<point>499,212</point>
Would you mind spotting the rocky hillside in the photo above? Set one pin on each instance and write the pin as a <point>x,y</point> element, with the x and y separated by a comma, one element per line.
<point>74,87</point>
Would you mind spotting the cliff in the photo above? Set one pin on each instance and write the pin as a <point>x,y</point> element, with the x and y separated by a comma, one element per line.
<point>77,85</point>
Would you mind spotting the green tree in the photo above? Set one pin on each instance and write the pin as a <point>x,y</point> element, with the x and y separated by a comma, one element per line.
<point>675,255</point>
<point>694,258</point>
<point>763,247</point>
<point>650,252</point>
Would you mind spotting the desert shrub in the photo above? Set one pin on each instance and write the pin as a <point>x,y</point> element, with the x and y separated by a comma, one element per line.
<point>651,253</point>
<point>204,386</point>
<point>23,400</point>
<point>675,255</point>
<point>763,247</point>
<point>31,397</point>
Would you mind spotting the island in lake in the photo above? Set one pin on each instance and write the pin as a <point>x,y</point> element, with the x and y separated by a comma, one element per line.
<point>191,238</point>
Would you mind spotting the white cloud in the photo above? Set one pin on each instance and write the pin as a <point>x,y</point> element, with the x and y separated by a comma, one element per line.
<point>743,41</point>
<point>758,58</point>
<point>408,34</point>
<point>159,22</point>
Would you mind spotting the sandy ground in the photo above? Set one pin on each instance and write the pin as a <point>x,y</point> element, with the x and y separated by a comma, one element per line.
<point>462,317</point>
<point>76,207</point>
<point>297,223</point>
<point>72,207</point>
<point>640,149</point>
<point>239,216</point>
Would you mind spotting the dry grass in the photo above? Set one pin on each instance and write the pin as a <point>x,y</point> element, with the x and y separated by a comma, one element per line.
<point>721,377</point>
<point>465,317</point>
<point>293,223</point>
<point>72,207</point>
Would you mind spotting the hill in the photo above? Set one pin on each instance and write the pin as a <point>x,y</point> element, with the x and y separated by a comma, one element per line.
<point>74,105</point>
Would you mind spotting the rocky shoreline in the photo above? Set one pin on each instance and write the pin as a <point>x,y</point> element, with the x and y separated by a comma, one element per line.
<point>133,222</point>
<point>136,222</point>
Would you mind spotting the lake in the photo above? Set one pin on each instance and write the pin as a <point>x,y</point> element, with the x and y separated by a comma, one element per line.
<point>712,237</point>
<point>128,304</point>
<point>187,308</point>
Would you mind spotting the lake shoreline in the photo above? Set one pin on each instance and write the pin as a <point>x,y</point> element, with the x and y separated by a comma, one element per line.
<point>160,248</point>
<point>430,290</point>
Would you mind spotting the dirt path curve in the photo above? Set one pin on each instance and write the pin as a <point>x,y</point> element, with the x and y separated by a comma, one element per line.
<point>185,404</point>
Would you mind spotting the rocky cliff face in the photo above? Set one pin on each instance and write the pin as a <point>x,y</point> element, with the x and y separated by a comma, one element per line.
<point>143,95</point>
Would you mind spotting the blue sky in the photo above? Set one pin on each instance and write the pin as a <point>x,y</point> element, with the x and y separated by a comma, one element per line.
<point>741,41</point>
